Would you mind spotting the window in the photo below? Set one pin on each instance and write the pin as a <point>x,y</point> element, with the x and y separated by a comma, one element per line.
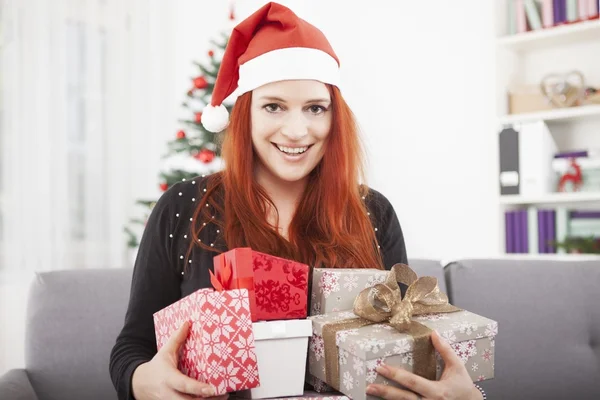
<point>77,146</point>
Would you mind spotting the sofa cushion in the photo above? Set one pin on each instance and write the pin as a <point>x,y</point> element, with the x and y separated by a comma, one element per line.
<point>548,313</point>
<point>73,319</point>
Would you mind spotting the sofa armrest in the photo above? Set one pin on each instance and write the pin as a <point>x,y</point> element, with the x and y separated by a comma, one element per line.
<point>15,385</point>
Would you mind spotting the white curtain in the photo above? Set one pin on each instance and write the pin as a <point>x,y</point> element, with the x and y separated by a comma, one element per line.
<point>84,86</point>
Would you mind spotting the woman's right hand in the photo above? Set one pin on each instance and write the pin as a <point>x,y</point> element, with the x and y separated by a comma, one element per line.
<point>160,379</point>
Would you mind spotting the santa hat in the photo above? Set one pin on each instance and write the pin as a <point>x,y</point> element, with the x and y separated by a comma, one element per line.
<point>271,45</point>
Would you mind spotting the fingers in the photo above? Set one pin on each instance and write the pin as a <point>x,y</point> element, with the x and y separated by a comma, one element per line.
<point>177,339</point>
<point>187,385</point>
<point>413,382</point>
<point>446,351</point>
<point>390,393</point>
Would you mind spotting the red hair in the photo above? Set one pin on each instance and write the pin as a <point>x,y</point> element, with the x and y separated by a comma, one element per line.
<point>331,226</point>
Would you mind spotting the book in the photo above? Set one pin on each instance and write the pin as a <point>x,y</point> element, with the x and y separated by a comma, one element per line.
<point>547,13</point>
<point>533,15</point>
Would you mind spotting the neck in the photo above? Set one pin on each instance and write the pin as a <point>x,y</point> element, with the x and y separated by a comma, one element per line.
<point>281,192</point>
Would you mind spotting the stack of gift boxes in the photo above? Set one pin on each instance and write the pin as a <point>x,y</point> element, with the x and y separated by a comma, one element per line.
<point>254,334</point>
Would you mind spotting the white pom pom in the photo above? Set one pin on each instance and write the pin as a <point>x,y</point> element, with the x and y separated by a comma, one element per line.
<point>215,118</point>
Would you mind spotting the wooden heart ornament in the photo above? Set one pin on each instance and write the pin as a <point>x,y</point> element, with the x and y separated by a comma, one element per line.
<point>563,90</point>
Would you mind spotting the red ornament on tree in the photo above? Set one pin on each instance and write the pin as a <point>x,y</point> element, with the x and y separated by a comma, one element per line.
<point>205,156</point>
<point>211,53</point>
<point>164,186</point>
<point>200,83</point>
<point>180,135</point>
<point>198,117</point>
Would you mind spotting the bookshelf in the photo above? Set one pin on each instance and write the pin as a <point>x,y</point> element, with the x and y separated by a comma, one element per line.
<point>563,114</point>
<point>551,199</point>
<point>524,59</point>
<point>551,37</point>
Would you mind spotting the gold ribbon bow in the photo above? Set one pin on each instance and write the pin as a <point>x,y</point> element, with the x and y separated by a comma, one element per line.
<point>383,303</point>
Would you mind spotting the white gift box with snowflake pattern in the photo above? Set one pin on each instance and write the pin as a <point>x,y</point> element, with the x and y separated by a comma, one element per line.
<point>362,350</point>
<point>335,289</point>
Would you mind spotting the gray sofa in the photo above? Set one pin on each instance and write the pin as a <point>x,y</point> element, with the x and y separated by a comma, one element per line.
<point>548,344</point>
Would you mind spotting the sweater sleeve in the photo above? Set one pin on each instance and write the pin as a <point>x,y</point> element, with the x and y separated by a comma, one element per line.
<point>389,233</point>
<point>155,284</point>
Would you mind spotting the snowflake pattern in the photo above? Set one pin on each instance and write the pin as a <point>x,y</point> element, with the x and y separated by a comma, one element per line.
<point>341,336</point>
<point>220,347</point>
<point>474,367</point>
<point>465,350</point>
<point>487,355</point>
<point>330,283</point>
<point>372,369</point>
<point>466,327</point>
<point>371,345</point>
<point>343,357</point>
<point>374,279</point>
<point>401,346</point>
<point>491,329</point>
<point>350,282</point>
<point>348,381</point>
<point>407,358</point>
<point>317,347</point>
<point>358,365</point>
<point>449,336</point>
<point>432,317</point>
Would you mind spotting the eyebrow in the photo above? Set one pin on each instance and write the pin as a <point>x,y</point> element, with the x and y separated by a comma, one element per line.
<point>279,99</point>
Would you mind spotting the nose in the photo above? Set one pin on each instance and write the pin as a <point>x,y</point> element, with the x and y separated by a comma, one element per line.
<point>295,126</point>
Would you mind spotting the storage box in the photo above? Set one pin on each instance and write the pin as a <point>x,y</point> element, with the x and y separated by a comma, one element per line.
<point>361,350</point>
<point>220,348</point>
<point>281,349</point>
<point>334,289</point>
<point>527,98</point>
<point>277,287</point>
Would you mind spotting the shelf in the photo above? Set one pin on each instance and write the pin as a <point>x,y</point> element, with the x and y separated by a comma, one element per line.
<point>559,114</point>
<point>551,37</point>
<point>551,198</point>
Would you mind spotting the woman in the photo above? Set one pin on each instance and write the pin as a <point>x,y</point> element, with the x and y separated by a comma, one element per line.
<point>290,188</point>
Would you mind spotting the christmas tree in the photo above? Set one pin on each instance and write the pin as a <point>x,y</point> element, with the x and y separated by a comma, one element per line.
<point>194,151</point>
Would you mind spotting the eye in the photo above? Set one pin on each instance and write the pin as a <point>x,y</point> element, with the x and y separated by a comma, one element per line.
<point>316,109</point>
<point>272,107</point>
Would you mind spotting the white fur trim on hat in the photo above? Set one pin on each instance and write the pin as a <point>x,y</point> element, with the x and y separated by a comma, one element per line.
<point>215,118</point>
<point>288,64</point>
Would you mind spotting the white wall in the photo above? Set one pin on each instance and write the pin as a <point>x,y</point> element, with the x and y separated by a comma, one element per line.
<point>421,81</point>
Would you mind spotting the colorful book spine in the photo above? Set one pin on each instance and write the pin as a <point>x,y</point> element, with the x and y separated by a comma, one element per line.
<point>583,9</point>
<point>521,17</point>
<point>541,231</point>
<point>512,17</point>
<point>508,232</point>
<point>594,8</point>
<point>551,226</point>
<point>548,13</point>
<point>533,15</point>
<point>560,11</point>
<point>532,230</point>
<point>572,14</point>
<point>524,231</point>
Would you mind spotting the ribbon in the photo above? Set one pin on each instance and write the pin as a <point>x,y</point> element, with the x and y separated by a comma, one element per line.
<point>383,303</point>
<point>225,279</point>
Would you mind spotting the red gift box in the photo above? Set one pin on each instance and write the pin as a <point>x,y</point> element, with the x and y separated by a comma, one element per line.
<point>277,287</point>
<point>219,349</point>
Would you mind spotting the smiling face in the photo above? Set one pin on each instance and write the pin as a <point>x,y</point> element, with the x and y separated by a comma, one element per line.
<point>291,121</point>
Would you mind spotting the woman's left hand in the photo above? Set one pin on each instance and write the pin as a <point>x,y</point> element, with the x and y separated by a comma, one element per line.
<point>454,384</point>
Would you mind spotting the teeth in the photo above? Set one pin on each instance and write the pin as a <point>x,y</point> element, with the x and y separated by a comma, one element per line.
<point>292,150</point>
